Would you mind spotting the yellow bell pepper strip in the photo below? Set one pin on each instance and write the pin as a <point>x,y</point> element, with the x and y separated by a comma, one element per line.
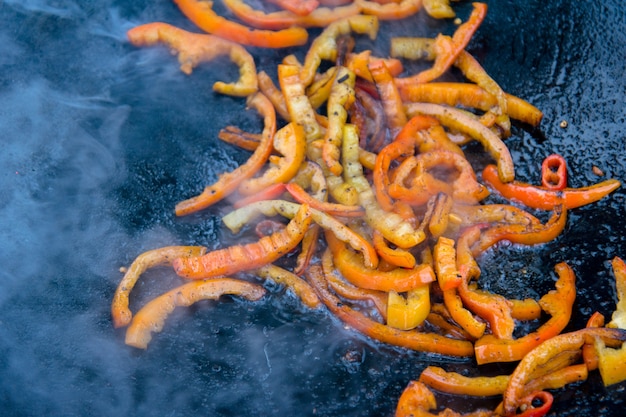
<point>525,310</point>
<point>611,362</point>
<point>353,270</point>
<point>347,290</point>
<point>299,7</point>
<point>273,93</point>
<point>618,319</point>
<point>298,104</point>
<point>389,97</point>
<point>235,220</point>
<point>201,13</point>
<point>410,339</point>
<point>438,9</point>
<point>416,401</point>
<point>228,182</point>
<point>325,45</point>
<point>554,172</point>
<point>194,48</point>
<point>120,312</point>
<point>545,199</point>
<point>319,90</point>
<point>394,256</point>
<point>402,146</point>
<point>460,121</point>
<point>390,11</point>
<point>544,352</point>
<point>319,17</point>
<point>300,287</point>
<point>455,383</point>
<point>291,143</point>
<point>391,225</point>
<point>470,95</point>
<point>406,313</point>
<point>525,235</point>
<point>557,303</point>
<point>151,317</point>
<point>340,99</point>
<point>448,49</point>
<point>254,255</point>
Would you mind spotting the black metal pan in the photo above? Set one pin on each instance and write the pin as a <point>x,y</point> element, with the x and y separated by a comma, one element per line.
<point>101,139</point>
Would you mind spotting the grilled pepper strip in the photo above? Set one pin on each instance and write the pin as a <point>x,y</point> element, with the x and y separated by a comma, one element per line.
<point>194,48</point>
<point>291,143</point>
<point>163,256</point>
<point>408,313</point>
<point>545,199</point>
<point>202,15</point>
<point>299,286</point>
<point>411,339</point>
<point>554,172</point>
<point>557,303</point>
<point>391,10</point>
<point>229,182</point>
<point>151,317</point>
<point>246,257</point>
<point>618,319</point>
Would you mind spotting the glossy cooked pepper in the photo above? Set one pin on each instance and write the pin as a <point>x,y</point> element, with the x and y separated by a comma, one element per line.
<point>554,172</point>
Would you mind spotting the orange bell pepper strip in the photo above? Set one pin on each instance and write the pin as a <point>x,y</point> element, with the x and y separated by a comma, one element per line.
<point>457,120</point>
<point>545,199</point>
<point>325,45</point>
<point>448,276</point>
<point>417,399</point>
<point>448,49</point>
<point>493,308</point>
<point>618,319</point>
<point>543,353</point>
<point>299,7</point>
<point>359,63</point>
<point>469,95</point>
<point>347,290</point>
<point>439,220</point>
<point>410,339</point>
<point>194,48</point>
<point>455,383</point>
<point>557,303</point>
<point>201,13</point>
<point>554,172</point>
<point>389,97</point>
<point>309,248</point>
<point>355,272</point>
<point>319,17</point>
<point>235,220</point>
<point>254,255</point>
<point>390,11</point>
<point>493,213</point>
<point>120,312</point>
<point>237,137</point>
<point>402,146</point>
<point>340,99</point>
<point>151,317</point>
<point>273,93</point>
<point>291,143</point>
<point>228,182</point>
<point>300,287</point>
<point>474,327</point>
<point>525,235</point>
<point>394,256</point>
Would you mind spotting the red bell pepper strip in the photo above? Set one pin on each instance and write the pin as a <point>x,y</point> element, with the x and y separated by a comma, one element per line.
<point>544,199</point>
<point>554,172</point>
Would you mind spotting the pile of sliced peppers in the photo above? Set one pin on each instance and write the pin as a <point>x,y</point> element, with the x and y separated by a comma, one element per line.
<point>363,165</point>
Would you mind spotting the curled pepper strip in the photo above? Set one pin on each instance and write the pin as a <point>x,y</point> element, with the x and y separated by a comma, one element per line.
<point>618,319</point>
<point>353,270</point>
<point>557,303</point>
<point>194,48</point>
<point>389,97</point>
<point>235,220</point>
<point>459,121</point>
<point>545,352</point>
<point>545,199</point>
<point>554,172</point>
<point>151,317</point>
<point>299,286</point>
<point>455,383</point>
<point>202,15</point>
<point>319,17</point>
<point>325,45</point>
<point>393,256</point>
<point>254,255</point>
<point>229,182</point>
<point>299,7</point>
<point>410,339</point>
<point>291,143</point>
<point>163,256</point>
<point>406,313</point>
